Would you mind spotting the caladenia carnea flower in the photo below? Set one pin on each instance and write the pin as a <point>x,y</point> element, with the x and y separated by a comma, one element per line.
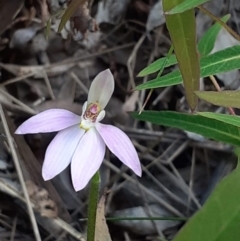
<point>82,140</point>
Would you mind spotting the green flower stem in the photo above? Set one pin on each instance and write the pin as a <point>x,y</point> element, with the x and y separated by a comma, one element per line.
<point>92,206</point>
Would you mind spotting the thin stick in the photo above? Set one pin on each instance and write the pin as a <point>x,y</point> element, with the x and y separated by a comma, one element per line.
<point>6,188</point>
<point>13,229</point>
<point>132,59</point>
<point>18,102</point>
<point>185,186</point>
<point>146,101</point>
<point>145,79</point>
<point>16,79</point>
<point>49,87</point>
<point>20,175</point>
<point>234,34</point>
<point>79,82</point>
<point>191,181</point>
<point>146,190</point>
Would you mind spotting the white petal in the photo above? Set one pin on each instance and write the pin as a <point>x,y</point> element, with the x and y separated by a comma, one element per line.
<point>121,146</point>
<point>101,88</point>
<point>49,121</point>
<point>60,151</point>
<point>87,158</point>
<point>101,115</point>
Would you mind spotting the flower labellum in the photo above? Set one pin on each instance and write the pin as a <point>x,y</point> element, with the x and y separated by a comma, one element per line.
<point>82,140</point>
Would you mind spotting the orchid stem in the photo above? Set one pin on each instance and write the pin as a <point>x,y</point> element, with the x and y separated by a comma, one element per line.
<point>92,206</point>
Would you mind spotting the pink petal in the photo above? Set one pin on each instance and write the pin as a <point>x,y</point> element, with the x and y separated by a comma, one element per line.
<point>60,151</point>
<point>101,88</point>
<point>49,121</point>
<point>121,146</point>
<point>87,158</point>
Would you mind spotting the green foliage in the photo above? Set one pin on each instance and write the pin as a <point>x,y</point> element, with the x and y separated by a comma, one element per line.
<point>219,62</point>
<point>205,46</point>
<point>156,65</point>
<point>226,98</point>
<point>72,7</point>
<point>182,30</point>
<point>219,218</point>
<point>185,5</point>
<point>206,43</point>
<point>202,125</point>
<point>48,27</point>
<point>229,119</point>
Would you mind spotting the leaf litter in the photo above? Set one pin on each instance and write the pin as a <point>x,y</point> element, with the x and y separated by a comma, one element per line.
<point>39,73</point>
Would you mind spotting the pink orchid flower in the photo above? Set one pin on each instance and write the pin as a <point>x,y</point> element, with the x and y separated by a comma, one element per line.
<point>82,140</point>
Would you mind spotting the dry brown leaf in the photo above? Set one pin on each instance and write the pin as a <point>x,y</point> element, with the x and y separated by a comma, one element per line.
<point>45,206</point>
<point>82,21</point>
<point>73,5</point>
<point>45,12</point>
<point>101,232</point>
<point>37,71</point>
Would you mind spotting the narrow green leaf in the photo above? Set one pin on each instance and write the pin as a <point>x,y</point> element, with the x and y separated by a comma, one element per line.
<point>229,119</point>
<point>72,7</point>
<point>205,46</point>
<point>182,30</point>
<point>173,78</point>
<point>206,43</point>
<point>218,62</point>
<point>226,98</point>
<point>219,218</point>
<point>169,53</point>
<point>204,126</point>
<point>185,5</point>
<point>156,65</point>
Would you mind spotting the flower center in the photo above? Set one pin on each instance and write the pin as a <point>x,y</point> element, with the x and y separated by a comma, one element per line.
<point>90,115</point>
<point>92,112</point>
